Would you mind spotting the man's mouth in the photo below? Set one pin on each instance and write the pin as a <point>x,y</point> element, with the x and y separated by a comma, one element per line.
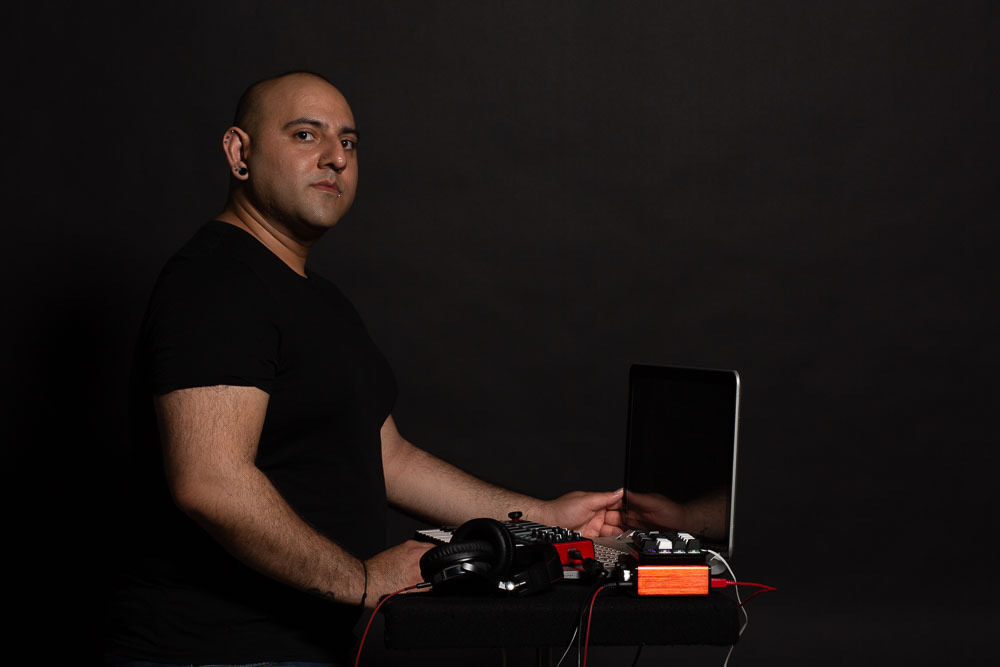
<point>328,186</point>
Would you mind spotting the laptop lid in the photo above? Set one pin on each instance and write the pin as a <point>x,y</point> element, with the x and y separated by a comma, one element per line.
<point>680,454</point>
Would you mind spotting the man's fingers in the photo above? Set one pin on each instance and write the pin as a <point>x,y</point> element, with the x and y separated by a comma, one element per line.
<point>417,545</point>
<point>608,530</point>
<point>395,568</point>
<point>613,518</point>
<point>598,500</point>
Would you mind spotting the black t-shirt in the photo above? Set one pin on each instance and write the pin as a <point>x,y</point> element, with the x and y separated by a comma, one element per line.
<point>227,311</point>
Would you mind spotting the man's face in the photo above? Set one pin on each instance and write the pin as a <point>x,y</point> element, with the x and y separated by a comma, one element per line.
<point>302,156</point>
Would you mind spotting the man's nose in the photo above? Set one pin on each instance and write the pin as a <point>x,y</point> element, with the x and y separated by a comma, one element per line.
<point>335,158</point>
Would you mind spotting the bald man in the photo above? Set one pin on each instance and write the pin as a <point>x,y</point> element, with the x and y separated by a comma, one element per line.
<point>266,451</point>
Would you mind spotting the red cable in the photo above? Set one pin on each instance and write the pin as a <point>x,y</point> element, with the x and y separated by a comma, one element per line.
<point>763,590</point>
<point>722,583</point>
<point>361,645</point>
<point>750,583</point>
<point>586,641</point>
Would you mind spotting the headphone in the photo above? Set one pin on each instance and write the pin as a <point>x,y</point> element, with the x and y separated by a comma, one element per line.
<point>482,558</point>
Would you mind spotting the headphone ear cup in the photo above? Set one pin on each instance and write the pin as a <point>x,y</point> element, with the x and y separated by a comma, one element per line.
<point>435,563</point>
<point>499,539</point>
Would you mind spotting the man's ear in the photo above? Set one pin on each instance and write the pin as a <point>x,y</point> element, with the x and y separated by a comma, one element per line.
<point>235,143</point>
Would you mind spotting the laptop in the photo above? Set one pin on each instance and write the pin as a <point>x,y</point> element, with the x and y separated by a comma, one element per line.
<point>680,458</point>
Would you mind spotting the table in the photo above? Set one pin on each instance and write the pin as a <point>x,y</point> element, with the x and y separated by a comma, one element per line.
<point>620,618</point>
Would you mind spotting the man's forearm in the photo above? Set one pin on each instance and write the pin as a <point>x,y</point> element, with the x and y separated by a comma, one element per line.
<point>426,486</point>
<point>245,513</point>
<point>436,491</point>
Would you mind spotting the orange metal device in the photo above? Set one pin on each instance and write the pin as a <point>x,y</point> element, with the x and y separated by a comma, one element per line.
<point>672,580</point>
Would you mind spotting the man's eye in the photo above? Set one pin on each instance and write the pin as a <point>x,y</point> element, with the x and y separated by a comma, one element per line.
<point>304,135</point>
<point>349,144</point>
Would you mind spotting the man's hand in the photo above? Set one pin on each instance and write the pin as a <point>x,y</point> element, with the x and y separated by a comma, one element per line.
<point>654,511</point>
<point>705,516</point>
<point>591,514</point>
<point>394,569</point>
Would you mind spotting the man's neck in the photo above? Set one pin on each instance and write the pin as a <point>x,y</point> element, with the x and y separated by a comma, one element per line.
<point>274,237</point>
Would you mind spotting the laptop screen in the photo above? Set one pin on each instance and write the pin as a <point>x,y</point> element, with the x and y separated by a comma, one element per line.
<point>680,466</point>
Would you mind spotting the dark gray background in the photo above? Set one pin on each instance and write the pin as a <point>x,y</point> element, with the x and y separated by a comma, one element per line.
<point>804,192</point>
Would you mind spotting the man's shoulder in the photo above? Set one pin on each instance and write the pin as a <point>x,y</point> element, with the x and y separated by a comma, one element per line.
<point>217,248</point>
<point>213,273</point>
<point>212,317</point>
<point>220,256</point>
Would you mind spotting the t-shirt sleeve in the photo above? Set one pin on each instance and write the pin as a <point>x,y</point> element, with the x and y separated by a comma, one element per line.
<point>209,324</point>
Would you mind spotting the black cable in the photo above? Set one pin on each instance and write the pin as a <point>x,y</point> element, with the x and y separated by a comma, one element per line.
<point>638,652</point>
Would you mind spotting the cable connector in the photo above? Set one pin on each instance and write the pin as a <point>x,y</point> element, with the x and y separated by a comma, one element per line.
<point>718,582</point>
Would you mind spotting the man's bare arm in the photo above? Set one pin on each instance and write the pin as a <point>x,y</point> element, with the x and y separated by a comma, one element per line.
<point>434,490</point>
<point>437,491</point>
<point>210,437</point>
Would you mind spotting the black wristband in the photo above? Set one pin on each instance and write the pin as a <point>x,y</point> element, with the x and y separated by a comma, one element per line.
<point>364,595</point>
